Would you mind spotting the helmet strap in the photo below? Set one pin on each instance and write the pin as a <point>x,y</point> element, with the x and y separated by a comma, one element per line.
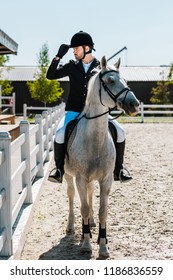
<point>90,51</point>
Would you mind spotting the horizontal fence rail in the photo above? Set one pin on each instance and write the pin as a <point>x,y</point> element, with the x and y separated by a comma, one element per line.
<point>31,108</point>
<point>21,164</point>
<point>146,110</point>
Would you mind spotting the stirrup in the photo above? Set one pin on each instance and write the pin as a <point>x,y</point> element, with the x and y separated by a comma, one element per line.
<point>124,176</point>
<point>55,177</point>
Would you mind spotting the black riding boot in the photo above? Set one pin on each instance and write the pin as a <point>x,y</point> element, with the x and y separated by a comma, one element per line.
<point>120,173</point>
<point>56,175</point>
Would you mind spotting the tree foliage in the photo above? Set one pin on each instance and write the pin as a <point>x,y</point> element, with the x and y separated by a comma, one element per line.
<point>164,88</point>
<point>42,89</point>
<point>7,87</point>
<point>160,94</point>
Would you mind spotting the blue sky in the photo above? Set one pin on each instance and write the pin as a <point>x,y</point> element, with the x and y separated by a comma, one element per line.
<point>144,27</point>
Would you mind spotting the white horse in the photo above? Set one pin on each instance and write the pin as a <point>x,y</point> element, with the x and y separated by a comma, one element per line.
<point>91,156</point>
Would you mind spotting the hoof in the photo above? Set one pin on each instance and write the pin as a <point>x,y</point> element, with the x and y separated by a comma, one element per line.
<point>70,231</point>
<point>86,245</point>
<point>103,255</point>
<point>103,251</point>
<point>92,224</point>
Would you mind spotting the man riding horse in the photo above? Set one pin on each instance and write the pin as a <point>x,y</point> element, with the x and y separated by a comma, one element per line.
<point>79,73</point>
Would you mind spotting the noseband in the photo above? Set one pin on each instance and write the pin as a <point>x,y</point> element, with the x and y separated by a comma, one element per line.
<point>112,96</point>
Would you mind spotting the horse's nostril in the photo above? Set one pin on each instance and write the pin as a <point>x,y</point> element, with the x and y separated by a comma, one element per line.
<point>120,104</point>
<point>131,104</point>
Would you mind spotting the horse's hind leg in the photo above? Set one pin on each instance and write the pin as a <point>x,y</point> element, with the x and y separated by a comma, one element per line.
<point>102,238</point>
<point>71,194</point>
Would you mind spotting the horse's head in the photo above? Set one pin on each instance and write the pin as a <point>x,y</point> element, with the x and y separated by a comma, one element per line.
<point>116,89</point>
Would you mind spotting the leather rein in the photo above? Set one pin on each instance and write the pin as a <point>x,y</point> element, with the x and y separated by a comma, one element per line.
<point>114,97</point>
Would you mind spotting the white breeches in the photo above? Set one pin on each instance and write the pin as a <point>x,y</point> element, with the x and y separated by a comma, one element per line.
<point>70,115</point>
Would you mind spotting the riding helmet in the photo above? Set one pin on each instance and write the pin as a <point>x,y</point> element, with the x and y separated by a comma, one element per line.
<point>81,38</point>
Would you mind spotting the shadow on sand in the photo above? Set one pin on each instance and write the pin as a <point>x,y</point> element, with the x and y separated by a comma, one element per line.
<point>67,249</point>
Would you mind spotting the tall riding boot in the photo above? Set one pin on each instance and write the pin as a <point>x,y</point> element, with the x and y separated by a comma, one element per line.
<point>56,175</point>
<point>120,173</point>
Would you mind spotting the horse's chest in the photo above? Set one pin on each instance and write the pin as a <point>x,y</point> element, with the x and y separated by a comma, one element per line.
<point>92,158</point>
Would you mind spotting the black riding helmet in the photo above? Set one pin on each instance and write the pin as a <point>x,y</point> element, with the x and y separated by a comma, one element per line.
<point>82,38</point>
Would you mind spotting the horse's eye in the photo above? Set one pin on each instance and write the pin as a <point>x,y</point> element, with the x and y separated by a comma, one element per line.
<point>111,81</point>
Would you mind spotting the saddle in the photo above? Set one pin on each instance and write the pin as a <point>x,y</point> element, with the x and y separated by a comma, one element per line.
<point>113,131</point>
<point>70,134</point>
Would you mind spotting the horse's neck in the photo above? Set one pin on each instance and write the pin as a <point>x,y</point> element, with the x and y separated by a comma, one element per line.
<point>93,106</point>
<point>98,124</point>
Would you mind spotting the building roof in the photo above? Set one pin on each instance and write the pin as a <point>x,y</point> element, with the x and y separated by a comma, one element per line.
<point>130,73</point>
<point>144,73</point>
<point>7,45</point>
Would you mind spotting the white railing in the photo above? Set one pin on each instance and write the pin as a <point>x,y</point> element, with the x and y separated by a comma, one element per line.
<point>21,165</point>
<point>155,110</point>
<point>159,109</point>
<point>10,104</point>
<point>31,108</point>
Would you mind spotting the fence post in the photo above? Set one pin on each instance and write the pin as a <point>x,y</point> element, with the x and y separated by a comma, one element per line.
<point>14,103</point>
<point>45,132</point>
<point>142,112</point>
<point>25,156</point>
<point>5,187</point>
<point>24,111</point>
<point>50,127</point>
<point>39,141</point>
<point>0,98</point>
<point>54,127</point>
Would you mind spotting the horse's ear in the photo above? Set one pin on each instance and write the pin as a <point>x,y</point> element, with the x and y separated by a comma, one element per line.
<point>117,64</point>
<point>103,62</point>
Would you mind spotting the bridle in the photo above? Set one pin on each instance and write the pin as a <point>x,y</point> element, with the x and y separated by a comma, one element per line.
<point>110,93</point>
<point>112,96</point>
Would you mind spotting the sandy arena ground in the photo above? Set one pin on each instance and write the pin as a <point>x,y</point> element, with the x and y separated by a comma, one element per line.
<point>140,215</point>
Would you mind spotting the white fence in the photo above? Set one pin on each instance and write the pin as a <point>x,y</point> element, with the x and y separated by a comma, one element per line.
<point>10,102</point>
<point>22,164</point>
<point>161,110</point>
<point>148,110</point>
<point>31,108</point>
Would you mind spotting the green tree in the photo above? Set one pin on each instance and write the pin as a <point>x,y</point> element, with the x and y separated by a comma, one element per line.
<point>42,89</point>
<point>7,87</point>
<point>170,80</point>
<point>161,93</point>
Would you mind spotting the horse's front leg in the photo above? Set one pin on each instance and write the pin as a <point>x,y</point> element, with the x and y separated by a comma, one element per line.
<point>90,202</point>
<point>102,237</point>
<point>71,194</point>
<point>86,233</point>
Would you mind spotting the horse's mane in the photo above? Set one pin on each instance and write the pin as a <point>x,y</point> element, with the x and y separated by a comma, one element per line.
<point>91,83</point>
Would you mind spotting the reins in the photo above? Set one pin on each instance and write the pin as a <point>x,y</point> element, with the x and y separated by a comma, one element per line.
<point>114,97</point>
<point>97,116</point>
